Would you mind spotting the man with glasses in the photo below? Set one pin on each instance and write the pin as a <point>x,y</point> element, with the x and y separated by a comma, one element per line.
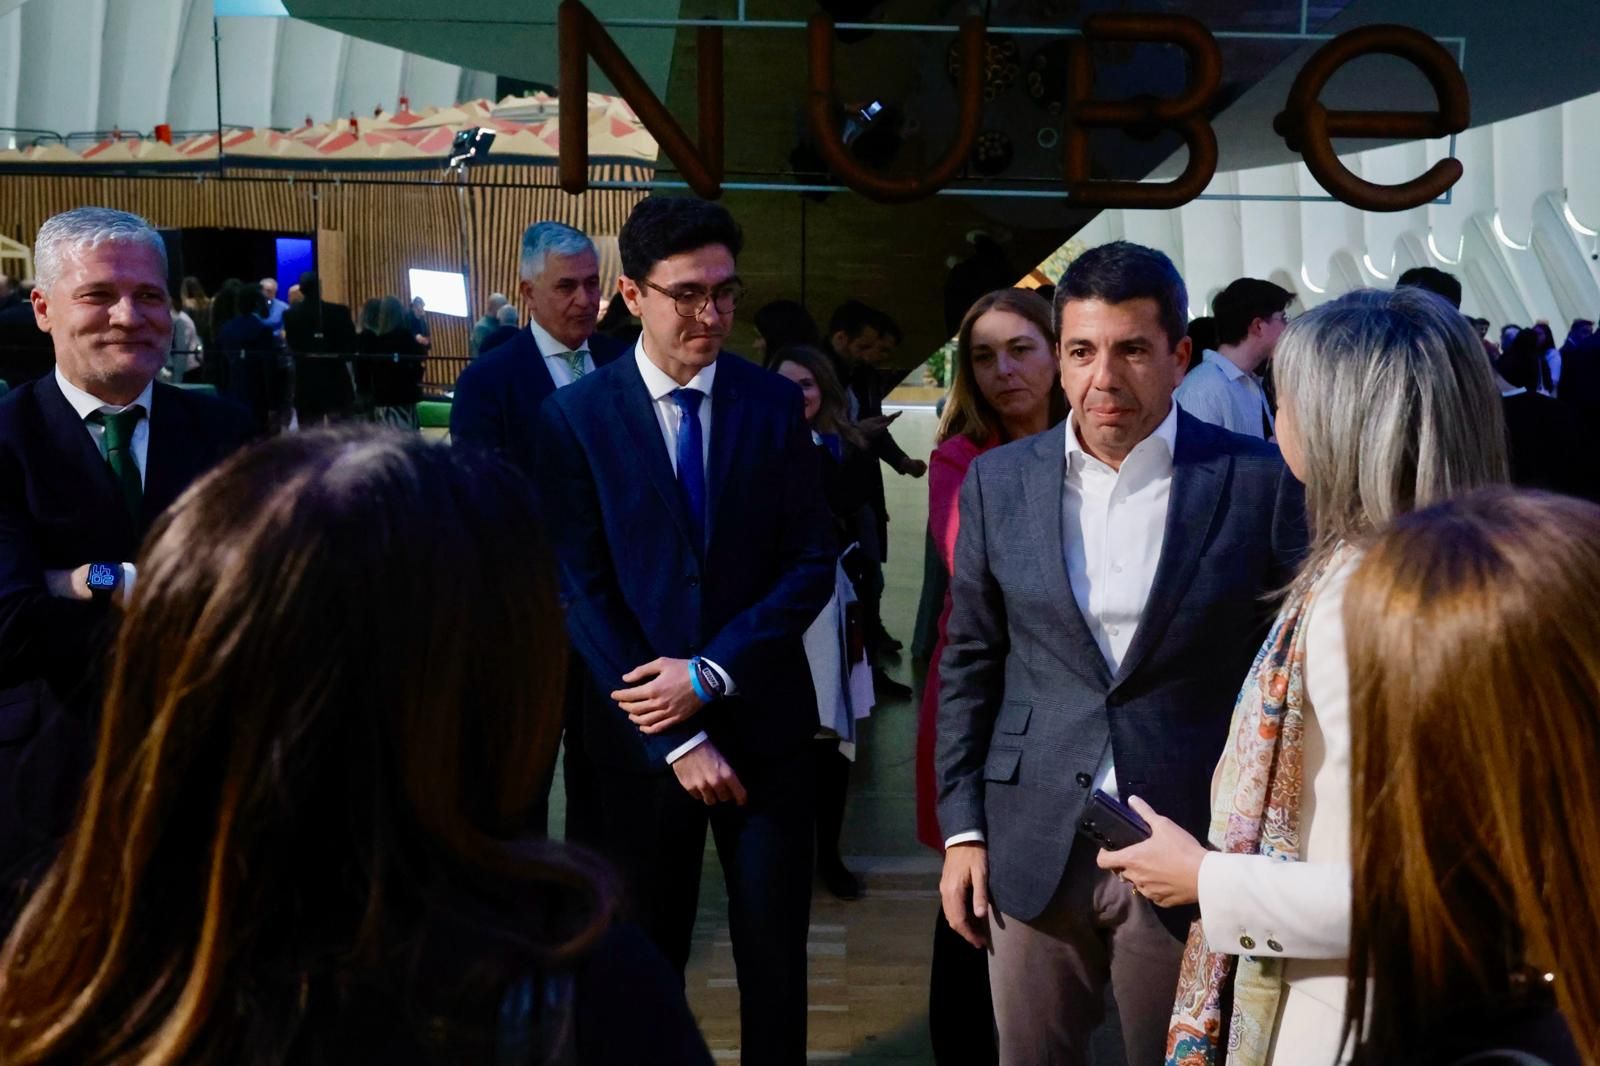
<point>695,547</point>
<point>1226,388</point>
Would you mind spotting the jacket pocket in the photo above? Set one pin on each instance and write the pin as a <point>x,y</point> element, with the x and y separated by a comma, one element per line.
<point>1001,765</point>
<point>1013,717</point>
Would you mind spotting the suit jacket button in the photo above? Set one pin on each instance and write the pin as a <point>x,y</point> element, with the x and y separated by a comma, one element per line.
<point>1248,943</point>
<point>1084,780</point>
<point>1274,945</point>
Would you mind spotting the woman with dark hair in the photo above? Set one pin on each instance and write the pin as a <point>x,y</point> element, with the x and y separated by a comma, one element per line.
<point>193,301</point>
<point>393,384</point>
<point>844,692</point>
<point>1475,808</point>
<point>332,704</point>
<point>1007,386</point>
<point>784,324</point>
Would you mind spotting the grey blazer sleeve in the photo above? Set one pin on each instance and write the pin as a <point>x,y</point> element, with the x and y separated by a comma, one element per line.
<point>971,672</point>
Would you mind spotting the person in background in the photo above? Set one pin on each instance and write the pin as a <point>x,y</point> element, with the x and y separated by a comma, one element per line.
<point>250,351</point>
<point>1472,659</point>
<point>25,350</point>
<point>296,294</point>
<point>1387,405</point>
<point>322,338</point>
<point>417,319</point>
<point>1108,592</point>
<point>9,294</point>
<point>696,548</point>
<point>1550,367</point>
<point>219,312</point>
<point>1203,334</point>
<point>1225,387</point>
<point>289,839</point>
<point>90,455</point>
<point>275,307</point>
<point>846,482</point>
<point>488,323</point>
<point>1548,448</point>
<point>197,305</point>
<point>508,327</point>
<point>393,369</point>
<point>857,338</point>
<point>1007,386</point>
<point>783,324</point>
<point>185,356</point>
<point>617,321</point>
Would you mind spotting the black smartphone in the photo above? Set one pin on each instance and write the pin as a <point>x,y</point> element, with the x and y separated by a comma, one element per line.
<point>1111,823</point>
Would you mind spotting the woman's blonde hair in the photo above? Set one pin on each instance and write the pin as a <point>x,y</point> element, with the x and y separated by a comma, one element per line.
<point>1475,770</point>
<point>966,412</point>
<point>1394,406</point>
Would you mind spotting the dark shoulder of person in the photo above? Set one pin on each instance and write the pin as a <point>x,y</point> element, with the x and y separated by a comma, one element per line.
<point>1533,1034</point>
<point>631,1008</point>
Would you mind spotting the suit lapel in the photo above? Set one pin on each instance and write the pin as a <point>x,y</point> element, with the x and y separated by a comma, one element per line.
<point>1199,473</point>
<point>172,458</point>
<point>69,439</point>
<point>1043,484</point>
<point>535,369</point>
<point>727,428</point>
<point>636,412</point>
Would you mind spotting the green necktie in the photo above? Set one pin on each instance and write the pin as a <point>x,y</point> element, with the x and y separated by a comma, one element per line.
<point>575,364</point>
<point>119,427</point>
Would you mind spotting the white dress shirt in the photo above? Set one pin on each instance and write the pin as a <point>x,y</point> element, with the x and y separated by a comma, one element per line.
<point>1113,523</point>
<point>555,355</point>
<point>85,405</point>
<point>669,416</point>
<point>1219,392</point>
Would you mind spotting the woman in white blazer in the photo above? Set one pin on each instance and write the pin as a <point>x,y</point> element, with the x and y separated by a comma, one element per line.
<point>1386,404</point>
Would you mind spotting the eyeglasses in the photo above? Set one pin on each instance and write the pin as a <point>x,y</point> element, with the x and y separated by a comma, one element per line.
<point>691,302</point>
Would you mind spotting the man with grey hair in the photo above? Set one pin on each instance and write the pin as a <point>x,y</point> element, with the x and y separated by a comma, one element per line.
<point>488,323</point>
<point>275,307</point>
<point>89,456</point>
<point>497,402</point>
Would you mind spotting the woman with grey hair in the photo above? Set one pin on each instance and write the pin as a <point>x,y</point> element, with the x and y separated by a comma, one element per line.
<point>1386,405</point>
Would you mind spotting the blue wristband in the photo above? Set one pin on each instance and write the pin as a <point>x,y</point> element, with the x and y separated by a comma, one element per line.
<point>694,680</point>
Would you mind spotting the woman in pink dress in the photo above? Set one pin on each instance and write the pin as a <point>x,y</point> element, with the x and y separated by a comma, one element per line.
<point>1007,386</point>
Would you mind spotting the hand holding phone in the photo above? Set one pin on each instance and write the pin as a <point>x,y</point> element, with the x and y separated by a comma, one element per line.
<point>1110,823</point>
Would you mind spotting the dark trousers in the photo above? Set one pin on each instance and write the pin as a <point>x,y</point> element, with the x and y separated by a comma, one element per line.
<point>832,782</point>
<point>960,1011</point>
<point>655,832</point>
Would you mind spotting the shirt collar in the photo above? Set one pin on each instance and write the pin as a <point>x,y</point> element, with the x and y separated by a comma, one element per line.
<point>1163,442</point>
<point>1222,363</point>
<point>548,345</point>
<point>85,404</point>
<point>659,385</point>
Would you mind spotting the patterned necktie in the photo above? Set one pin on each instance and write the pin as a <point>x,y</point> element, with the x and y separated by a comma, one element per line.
<point>575,363</point>
<point>119,427</point>
<point>692,460</point>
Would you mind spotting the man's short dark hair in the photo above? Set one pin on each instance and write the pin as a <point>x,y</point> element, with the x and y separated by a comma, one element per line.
<point>1244,301</point>
<point>664,226</point>
<point>1121,271</point>
<point>887,326</point>
<point>853,316</point>
<point>1439,282</point>
<point>310,286</point>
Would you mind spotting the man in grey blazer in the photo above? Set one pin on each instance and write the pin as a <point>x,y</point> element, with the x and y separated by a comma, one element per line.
<point>1112,584</point>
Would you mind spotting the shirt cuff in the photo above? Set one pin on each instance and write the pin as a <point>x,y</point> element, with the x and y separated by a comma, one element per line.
<point>969,837</point>
<point>686,747</point>
<point>728,687</point>
<point>129,573</point>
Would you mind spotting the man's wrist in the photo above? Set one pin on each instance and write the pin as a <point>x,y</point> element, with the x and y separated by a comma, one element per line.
<point>709,683</point>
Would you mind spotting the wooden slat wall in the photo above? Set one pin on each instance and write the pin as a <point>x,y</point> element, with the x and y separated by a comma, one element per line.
<point>388,227</point>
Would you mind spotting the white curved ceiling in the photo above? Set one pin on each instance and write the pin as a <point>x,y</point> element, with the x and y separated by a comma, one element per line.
<point>77,66</point>
<point>1519,231</point>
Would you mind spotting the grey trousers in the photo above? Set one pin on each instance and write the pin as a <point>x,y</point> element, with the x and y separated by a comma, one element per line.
<point>1048,976</point>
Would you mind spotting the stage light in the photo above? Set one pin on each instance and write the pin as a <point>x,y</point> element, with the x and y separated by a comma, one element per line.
<point>470,146</point>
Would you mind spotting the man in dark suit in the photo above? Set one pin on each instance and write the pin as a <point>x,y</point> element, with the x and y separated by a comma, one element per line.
<point>25,351</point>
<point>312,329</point>
<point>695,548</point>
<point>1108,597</point>
<point>89,456</point>
<point>498,396</point>
<point>496,406</point>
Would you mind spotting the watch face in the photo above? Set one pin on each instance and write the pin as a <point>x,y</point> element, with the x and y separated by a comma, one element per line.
<point>103,576</point>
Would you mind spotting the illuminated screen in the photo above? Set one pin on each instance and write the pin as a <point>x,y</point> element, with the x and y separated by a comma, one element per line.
<point>444,291</point>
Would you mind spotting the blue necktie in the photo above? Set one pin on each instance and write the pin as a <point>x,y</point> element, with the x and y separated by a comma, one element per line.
<point>692,461</point>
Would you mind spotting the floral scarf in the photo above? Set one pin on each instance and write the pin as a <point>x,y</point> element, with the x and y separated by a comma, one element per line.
<point>1254,811</point>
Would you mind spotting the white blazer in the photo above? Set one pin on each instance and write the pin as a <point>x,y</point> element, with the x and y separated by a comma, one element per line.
<point>1255,905</point>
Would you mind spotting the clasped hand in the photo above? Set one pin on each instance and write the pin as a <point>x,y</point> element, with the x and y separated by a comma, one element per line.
<point>663,702</point>
<point>1165,869</point>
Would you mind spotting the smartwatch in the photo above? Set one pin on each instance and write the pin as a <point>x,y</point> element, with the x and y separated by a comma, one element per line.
<point>708,682</point>
<point>104,579</point>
